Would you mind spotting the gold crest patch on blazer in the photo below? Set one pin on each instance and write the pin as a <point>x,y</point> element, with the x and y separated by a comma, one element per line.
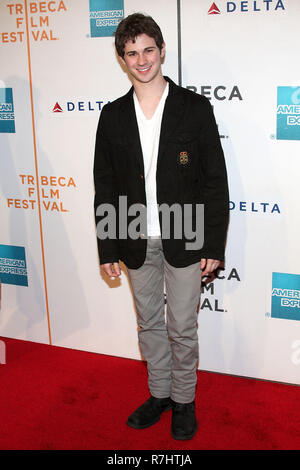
<point>183,158</point>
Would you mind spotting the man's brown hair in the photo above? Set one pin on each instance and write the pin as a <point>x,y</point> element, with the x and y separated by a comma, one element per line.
<point>134,25</point>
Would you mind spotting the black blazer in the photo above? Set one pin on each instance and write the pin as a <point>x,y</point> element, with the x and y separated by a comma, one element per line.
<point>188,128</point>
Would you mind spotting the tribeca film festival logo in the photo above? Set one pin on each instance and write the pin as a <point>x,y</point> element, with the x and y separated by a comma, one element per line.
<point>218,93</point>
<point>105,15</point>
<point>183,218</point>
<point>248,6</point>
<point>7,116</point>
<point>288,113</point>
<point>75,106</point>
<point>51,190</point>
<point>13,269</point>
<point>209,291</point>
<point>285,296</point>
<point>40,15</point>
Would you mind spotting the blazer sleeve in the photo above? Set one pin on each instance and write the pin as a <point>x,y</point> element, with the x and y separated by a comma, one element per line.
<point>215,189</point>
<point>105,191</point>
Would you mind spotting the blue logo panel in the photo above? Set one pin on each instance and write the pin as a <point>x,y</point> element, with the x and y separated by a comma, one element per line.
<point>7,116</point>
<point>105,15</point>
<point>288,113</point>
<point>13,269</point>
<point>285,296</point>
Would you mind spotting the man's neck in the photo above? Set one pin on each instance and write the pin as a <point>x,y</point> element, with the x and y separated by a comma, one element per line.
<point>150,91</point>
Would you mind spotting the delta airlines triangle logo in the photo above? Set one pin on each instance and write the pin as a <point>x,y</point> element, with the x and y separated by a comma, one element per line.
<point>74,105</point>
<point>248,6</point>
<point>214,10</point>
<point>57,108</point>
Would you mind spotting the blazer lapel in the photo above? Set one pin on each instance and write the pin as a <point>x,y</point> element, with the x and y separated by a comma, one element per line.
<point>172,115</point>
<point>130,130</point>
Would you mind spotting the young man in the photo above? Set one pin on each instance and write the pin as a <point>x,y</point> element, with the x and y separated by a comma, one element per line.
<point>158,146</point>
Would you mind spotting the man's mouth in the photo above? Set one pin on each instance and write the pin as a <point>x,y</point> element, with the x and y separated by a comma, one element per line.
<point>144,69</point>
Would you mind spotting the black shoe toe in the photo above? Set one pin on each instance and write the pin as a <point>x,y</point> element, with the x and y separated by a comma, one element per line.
<point>149,412</point>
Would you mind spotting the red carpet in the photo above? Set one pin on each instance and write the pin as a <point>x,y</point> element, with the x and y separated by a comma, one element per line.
<point>57,398</point>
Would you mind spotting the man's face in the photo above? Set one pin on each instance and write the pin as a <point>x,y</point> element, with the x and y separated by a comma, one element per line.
<point>143,58</point>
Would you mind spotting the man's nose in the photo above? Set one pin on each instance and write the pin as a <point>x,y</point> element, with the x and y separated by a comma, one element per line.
<point>141,59</point>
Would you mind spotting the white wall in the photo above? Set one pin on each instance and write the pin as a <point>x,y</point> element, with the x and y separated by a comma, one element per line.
<point>67,302</point>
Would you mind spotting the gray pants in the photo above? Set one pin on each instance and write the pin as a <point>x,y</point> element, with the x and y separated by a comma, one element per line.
<point>170,347</point>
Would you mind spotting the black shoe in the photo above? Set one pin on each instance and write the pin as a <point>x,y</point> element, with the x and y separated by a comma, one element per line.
<point>149,412</point>
<point>184,424</point>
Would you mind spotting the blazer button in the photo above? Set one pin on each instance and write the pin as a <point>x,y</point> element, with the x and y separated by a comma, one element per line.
<point>141,176</point>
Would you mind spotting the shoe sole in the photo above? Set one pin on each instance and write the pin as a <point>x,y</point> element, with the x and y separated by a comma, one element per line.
<point>144,426</point>
<point>185,438</point>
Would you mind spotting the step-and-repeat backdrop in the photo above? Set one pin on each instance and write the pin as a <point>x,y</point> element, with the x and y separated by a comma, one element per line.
<point>58,68</point>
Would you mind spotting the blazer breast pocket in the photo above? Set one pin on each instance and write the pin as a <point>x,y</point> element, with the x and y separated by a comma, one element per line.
<point>185,152</point>
<point>183,163</point>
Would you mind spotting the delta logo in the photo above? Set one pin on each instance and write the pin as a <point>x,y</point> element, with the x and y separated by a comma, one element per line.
<point>78,106</point>
<point>214,10</point>
<point>285,296</point>
<point>57,108</point>
<point>255,207</point>
<point>248,6</point>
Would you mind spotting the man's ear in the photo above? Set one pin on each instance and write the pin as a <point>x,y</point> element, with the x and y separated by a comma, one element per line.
<point>122,60</point>
<point>163,50</point>
<point>122,63</point>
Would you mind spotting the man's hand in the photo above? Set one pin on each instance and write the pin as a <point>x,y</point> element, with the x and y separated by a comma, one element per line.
<point>111,269</point>
<point>208,266</point>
